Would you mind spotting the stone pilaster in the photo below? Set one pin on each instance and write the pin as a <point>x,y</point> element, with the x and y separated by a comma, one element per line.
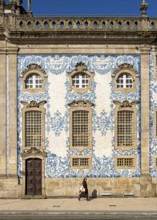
<point>3,113</point>
<point>145,53</point>
<point>12,101</point>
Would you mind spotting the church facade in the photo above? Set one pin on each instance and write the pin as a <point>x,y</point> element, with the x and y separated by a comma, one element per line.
<point>78,98</point>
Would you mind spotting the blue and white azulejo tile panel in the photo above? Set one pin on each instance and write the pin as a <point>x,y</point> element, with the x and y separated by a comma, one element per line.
<point>58,95</point>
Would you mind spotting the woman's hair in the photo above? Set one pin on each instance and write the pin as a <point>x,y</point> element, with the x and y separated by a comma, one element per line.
<point>84,179</point>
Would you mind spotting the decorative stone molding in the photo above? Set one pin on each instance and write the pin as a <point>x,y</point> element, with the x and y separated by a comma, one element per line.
<point>143,8</point>
<point>33,69</point>
<point>145,49</point>
<point>155,162</point>
<point>33,66</point>
<point>33,104</point>
<point>80,68</point>
<point>33,152</point>
<point>125,104</point>
<point>81,103</point>
<point>124,67</point>
<point>128,69</point>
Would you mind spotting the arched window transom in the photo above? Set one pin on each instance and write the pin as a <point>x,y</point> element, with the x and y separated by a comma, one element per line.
<point>33,81</point>
<point>125,80</point>
<point>80,80</point>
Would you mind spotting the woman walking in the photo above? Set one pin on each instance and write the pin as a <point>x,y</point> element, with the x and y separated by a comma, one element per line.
<point>84,190</point>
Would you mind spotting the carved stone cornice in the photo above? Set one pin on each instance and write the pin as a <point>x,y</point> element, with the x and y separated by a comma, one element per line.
<point>33,104</point>
<point>131,30</point>
<point>33,66</point>
<point>125,104</point>
<point>125,67</point>
<point>33,152</point>
<point>81,103</point>
<point>80,67</point>
<point>145,49</point>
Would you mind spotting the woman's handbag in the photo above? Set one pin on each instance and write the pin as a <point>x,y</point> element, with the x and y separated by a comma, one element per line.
<point>82,189</point>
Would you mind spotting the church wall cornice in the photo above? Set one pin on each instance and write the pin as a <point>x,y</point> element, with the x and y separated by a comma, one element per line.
<point>41,30</point>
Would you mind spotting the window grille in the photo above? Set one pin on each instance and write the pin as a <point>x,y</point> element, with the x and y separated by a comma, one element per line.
<point>127,162</point>
<point>80,80</point>
<point>80,162</point>
<point>33,81</point>
<point>125,81</point>
<point>80,129</point>
<point>125,128</point>
<point>33,129</point>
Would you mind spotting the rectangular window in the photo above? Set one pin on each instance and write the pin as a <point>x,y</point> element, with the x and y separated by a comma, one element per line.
<point>125,162</point>
<point>125,128</point>
<point>33,129</point>
<point>80,162</point>
<point>80,129</point>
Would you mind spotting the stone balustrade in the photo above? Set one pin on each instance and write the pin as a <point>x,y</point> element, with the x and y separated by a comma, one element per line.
<point>83,24</point>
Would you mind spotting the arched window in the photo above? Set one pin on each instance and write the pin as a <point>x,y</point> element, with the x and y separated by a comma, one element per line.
<point>33,81</point>
<point>80,78</point>
<point>125,80</point>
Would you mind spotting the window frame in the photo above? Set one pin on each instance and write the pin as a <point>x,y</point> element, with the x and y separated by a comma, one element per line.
<point>33,77</point>
<point>126,106</point>
<point>33,106</point>
<point>81,106</point>
<point>80,79</point>
<point>80,68</point>
<point>124,81</point>
<point>125,69</point>
<point>33,69</point>
<point>134,157</point>
<point>89,157</point>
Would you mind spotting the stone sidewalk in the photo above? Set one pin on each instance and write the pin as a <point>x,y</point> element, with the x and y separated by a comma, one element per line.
<point>66,205</point>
